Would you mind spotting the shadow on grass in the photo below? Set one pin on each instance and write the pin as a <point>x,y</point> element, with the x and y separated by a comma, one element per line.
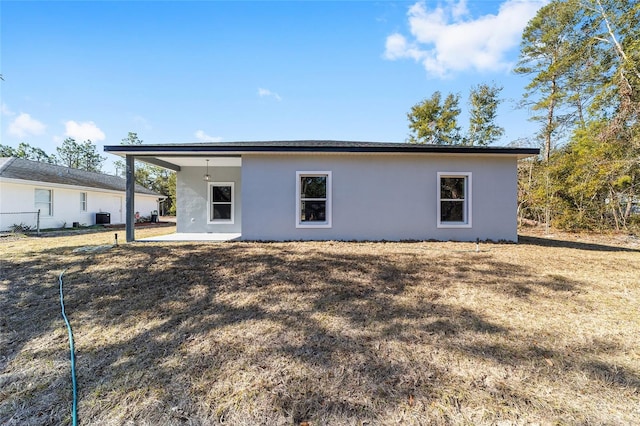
<point>257,332</point>
<point>549,242</point>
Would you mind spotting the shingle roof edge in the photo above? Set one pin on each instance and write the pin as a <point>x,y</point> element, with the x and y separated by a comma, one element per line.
<point>317,146</point>
<point>34,171</point>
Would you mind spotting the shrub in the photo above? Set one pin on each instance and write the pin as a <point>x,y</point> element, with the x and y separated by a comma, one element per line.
<point>20,228</point>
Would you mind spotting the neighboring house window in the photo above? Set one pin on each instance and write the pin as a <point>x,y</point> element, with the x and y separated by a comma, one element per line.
<point>313,199</point>
<point>44,201</point>
<point>83,201</point>
<point>221,202</point>
<point>454,200</point>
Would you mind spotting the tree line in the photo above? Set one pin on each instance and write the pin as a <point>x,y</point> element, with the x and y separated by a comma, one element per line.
<point>76,155</point>
<point>582,58</point>
<point>435,121</point>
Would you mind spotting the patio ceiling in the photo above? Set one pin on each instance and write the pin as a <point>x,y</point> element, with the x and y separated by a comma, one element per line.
<point>176,163</point>
<point>200,161</point>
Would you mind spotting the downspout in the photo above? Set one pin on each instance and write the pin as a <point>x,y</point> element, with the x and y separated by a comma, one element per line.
<point>130,195</point>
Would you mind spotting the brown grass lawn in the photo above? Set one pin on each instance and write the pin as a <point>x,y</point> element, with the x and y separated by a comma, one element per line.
<point>542,332</point>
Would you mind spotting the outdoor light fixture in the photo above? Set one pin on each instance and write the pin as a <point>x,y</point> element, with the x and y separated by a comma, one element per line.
<point>207,176</point>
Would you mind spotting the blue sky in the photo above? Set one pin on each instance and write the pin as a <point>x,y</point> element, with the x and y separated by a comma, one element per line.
<point>232,71</point>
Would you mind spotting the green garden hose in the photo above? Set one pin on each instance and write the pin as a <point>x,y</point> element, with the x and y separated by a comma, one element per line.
<point>74,410</point>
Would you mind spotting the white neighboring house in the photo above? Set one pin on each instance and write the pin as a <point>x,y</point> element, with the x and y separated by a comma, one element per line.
<point>64,196</point>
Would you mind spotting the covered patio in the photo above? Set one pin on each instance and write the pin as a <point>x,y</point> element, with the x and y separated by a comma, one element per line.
<point>177,158</point>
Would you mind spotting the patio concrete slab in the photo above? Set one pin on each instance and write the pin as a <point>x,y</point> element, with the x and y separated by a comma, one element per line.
<point>194,236</point>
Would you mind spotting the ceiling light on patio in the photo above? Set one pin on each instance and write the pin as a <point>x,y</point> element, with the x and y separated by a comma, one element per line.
<point>207,176</point>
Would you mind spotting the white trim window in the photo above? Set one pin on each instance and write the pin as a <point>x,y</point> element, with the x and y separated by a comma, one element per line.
<point>454,200</point>
<point>313,199</point>
<point>44,201</point>
<point>221,203</point>
<point>83,201</point>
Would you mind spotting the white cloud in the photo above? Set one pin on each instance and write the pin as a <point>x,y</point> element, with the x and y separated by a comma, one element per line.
<point>446,40</point>
<point>6,111</point>
<point>459,10</point>
<point>83,131</point>
<point>398,48</point>
<point>24,125</point>
<point>202,136</point>
<point>266,92</point>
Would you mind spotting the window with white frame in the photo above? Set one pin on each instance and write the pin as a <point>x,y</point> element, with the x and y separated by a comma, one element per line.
<point>44,201</point>
<point>454,200</point>
<point>313,199</point>
<point>221,202</point>
<point>83,201</point>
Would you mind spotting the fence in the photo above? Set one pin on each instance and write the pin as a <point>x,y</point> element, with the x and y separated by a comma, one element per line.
<point>20,221</point>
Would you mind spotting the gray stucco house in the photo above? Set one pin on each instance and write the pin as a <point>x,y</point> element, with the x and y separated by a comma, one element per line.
<point>335,190</point>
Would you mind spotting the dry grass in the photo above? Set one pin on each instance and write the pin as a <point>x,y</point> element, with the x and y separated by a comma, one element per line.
<point>543,332</point>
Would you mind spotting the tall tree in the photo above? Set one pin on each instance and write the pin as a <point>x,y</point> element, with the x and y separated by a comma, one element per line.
<point>83,156</point>
<point>584,60</point>
<point>547,44</point>
<point>618,42</point>
<point>435,122</point>
<point>170,203</point>
<point>152,177</point>
<point>131,139</point>
<point>483,111</point>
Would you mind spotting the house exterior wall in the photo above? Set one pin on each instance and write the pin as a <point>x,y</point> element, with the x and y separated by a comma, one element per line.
<point>20,197</point>
<point>378,197</point>
<point>192,199</point>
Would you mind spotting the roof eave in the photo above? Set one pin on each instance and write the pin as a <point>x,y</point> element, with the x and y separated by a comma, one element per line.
<point>168,150</point>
